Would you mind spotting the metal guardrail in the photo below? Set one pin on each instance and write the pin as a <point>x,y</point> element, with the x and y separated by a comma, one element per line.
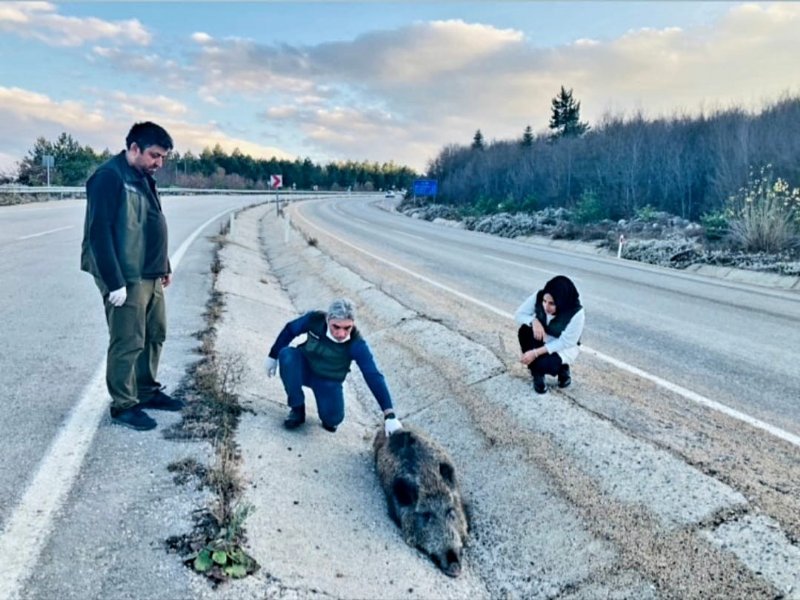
<point>80,191</point>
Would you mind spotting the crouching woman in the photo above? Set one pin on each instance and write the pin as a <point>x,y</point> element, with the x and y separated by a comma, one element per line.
<point>551,323</point>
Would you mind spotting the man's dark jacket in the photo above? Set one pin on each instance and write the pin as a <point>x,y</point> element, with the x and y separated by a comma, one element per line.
<point>125,232</point>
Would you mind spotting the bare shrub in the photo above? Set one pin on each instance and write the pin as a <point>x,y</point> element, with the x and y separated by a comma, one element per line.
<point>764,214</point>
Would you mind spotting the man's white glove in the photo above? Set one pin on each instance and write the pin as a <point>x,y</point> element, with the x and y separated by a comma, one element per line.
<point>392,425</point>
<point>271,365</point>
<point>118,297</point>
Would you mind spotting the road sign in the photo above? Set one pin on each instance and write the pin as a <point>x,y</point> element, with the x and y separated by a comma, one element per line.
<point>276,181</point>
<point>426,187</point>
<point>48,161</point>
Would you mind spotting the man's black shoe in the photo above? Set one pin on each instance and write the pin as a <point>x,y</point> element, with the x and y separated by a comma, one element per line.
<point>161,401</point>
<point>326,427</point>
<point>538,384</point>
<point>134,418</point>
<point>564,378</point>
<point>297,416</point>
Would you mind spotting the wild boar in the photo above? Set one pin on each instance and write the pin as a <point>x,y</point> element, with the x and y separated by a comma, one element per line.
<point>423,494</point>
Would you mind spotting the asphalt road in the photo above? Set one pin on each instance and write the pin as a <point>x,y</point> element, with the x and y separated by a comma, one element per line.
<point>54,333</point>
<point>735,344</point>
<point>732,343</point>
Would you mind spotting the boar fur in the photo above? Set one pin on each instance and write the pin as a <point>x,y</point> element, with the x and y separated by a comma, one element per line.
<point>423,494</point>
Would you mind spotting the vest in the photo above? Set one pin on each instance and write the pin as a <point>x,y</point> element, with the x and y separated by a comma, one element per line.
<point>325,357</point>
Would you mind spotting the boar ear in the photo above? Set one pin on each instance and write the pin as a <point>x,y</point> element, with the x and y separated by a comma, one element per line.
<point>447,472</point>
<point>405,491</point>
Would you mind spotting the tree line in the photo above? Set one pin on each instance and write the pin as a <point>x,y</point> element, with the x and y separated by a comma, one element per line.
<point>214,168</point>
<point>684,165</point>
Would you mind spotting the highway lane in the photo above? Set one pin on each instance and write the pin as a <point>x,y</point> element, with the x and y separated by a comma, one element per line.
<point>53,331</point>
<point>735,344</point>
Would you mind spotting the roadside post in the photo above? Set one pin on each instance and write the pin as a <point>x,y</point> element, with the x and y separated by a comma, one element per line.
<point>276,183</point>
<point>621,243</point>
<point>48,161</point>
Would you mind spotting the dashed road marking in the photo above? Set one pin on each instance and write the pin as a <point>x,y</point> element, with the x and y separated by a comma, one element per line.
<point>41,233</point>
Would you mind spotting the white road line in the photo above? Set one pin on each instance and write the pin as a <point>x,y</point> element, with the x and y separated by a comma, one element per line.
<point>41,233</point>
<point>411,235</point>
<point>28,528</point>
<point>677,389</point>
<point>523,265</point>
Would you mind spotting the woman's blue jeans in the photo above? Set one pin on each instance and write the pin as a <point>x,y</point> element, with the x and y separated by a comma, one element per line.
<point>296,373</point>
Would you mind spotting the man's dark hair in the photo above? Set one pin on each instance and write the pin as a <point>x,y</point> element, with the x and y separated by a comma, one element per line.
<point>148,134</point>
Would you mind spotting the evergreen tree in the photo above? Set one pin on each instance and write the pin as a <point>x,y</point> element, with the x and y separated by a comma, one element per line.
<point>566,117</point>
<point>477,141</point>
<point>72,163</point>
<point>527,138</point>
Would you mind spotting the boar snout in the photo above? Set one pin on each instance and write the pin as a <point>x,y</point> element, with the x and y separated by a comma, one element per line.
<point>449,563</point>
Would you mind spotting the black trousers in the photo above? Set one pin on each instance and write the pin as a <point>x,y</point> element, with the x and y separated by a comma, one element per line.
<point>547,364</point>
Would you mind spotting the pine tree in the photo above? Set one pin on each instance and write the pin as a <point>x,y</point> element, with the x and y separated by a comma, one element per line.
<point>527,138</point>
<point>72,163</point>
<point>566,117</point>
<point>477,141</point>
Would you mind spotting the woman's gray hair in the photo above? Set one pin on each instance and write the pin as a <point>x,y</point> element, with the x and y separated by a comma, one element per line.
<point>342,308</point>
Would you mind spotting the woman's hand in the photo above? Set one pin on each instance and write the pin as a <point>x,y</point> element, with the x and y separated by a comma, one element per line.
<point>528,357</point>
<point>538,330</point>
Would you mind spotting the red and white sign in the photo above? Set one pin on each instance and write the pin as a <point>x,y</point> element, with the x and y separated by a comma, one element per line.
<point>276,181</point>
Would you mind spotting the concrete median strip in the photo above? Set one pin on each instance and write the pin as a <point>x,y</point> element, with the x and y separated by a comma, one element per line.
<point>536,471</point>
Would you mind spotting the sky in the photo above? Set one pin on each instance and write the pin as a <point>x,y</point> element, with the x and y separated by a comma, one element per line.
<point>376,81</point>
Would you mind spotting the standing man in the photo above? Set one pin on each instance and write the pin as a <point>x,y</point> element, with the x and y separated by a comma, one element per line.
<point>125,249</point>
<point>322,363</point>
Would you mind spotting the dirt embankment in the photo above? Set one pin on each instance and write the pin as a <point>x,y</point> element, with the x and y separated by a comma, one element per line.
<point>613,489</point>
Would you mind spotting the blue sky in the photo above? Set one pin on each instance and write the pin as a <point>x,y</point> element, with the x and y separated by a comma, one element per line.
<point>374,81</point>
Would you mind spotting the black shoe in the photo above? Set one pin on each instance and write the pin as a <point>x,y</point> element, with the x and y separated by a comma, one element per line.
<point>160,401</point>
<point>297,416</point>
<point>564,378</point>
<point>326,427</point>
<point>538,384</point>
<point>134,418</point>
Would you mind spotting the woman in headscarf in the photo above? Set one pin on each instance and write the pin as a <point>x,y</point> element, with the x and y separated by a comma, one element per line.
<point>551,323</point>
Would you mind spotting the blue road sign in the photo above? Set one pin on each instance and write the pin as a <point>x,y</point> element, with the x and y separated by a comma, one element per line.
<point>425,187</point>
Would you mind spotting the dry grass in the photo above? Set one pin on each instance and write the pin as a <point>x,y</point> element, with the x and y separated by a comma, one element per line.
<point>215,546</point>
<point>764,214</point>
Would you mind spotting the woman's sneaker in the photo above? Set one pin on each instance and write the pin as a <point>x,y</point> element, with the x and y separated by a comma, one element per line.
<point>538,384</point>
<point>564,378</point>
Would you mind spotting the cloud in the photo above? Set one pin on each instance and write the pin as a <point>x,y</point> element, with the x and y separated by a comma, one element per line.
<point>152,65</point>
<point>415,55</point>
<point>27,115</point>
<point>136,105</point>
<point>403,94</point>
<point>201,38</point>
<point>189,136</point>
<point>394,93</point>
<point>41,21</point>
